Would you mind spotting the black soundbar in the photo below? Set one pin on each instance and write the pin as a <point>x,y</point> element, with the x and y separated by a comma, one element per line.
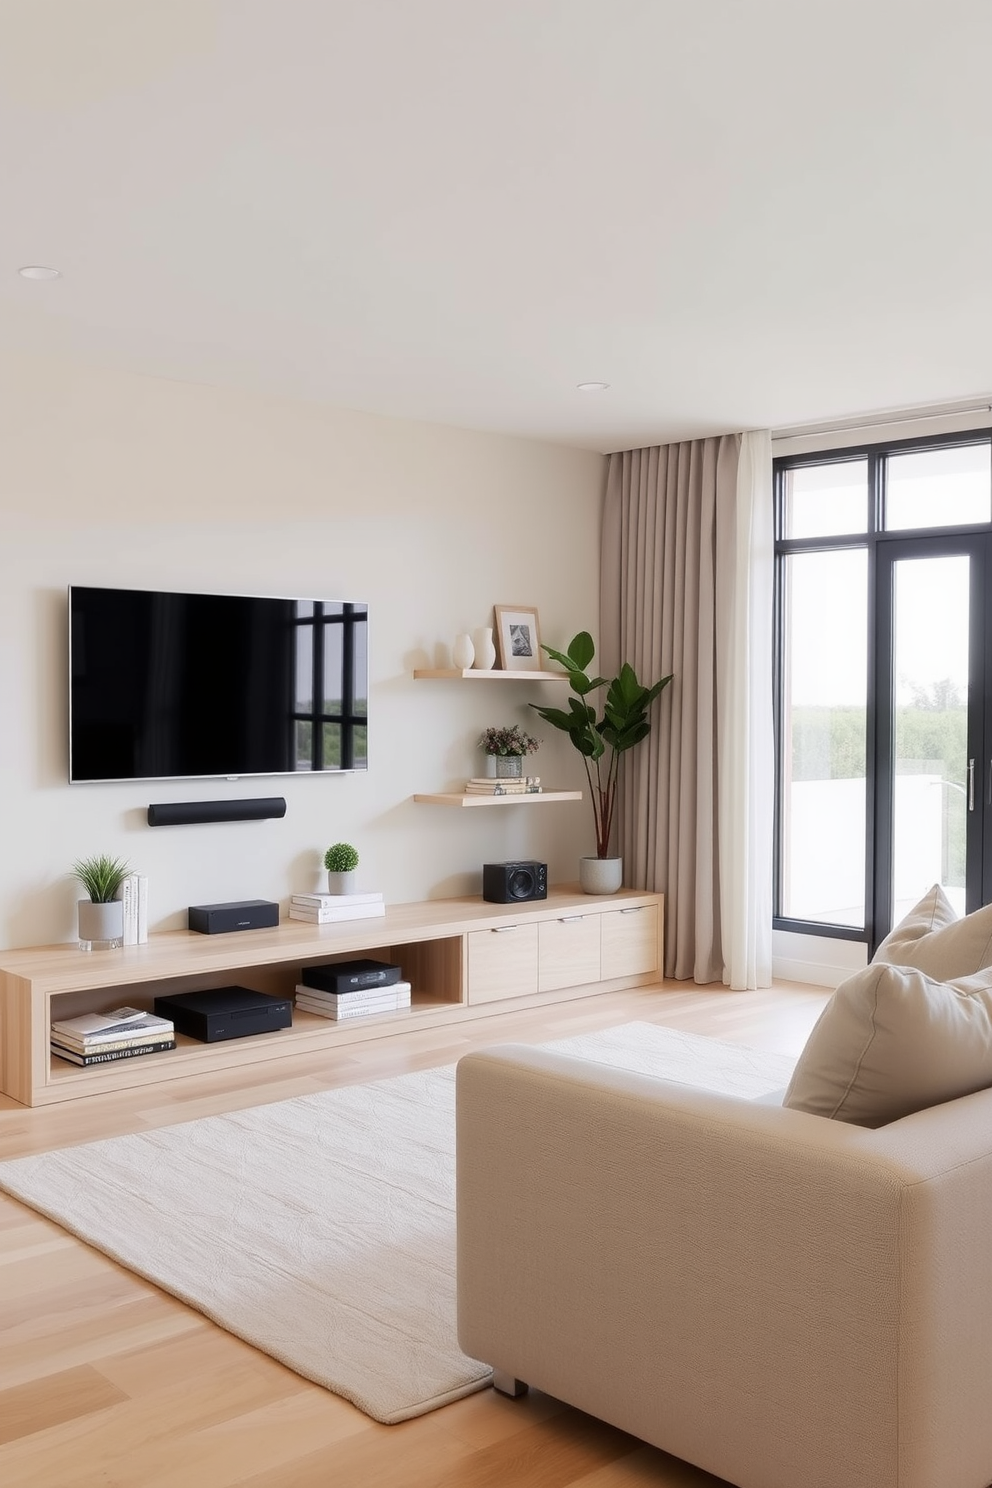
<point>183,813</point>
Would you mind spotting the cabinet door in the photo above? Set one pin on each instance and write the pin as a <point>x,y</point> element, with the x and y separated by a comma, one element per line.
<point>569,951</point>
<point>502,963</point>
<point>631,943</point>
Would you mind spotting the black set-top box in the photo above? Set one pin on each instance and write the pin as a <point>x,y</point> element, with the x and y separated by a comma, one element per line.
<point>225,1013</point>
<point>350,976</point>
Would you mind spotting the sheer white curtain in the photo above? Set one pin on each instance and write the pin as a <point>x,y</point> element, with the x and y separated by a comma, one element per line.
<point>687,588</point>
<point>745,731</point>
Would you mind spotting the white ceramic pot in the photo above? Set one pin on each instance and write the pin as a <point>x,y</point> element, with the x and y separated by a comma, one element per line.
<point>485,650</point>
<point>600,875</point>
<point>463,651</point>
<point>101,926</point>
<point>342,883</point>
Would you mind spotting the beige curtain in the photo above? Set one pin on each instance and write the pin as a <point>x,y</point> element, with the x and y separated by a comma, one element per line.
<point>671,560</point>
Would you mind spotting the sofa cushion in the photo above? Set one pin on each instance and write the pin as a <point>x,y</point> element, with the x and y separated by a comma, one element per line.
<point>893,1040</point>
<point>934,940</point>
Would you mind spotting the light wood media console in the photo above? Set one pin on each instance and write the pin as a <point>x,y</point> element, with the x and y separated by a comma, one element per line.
<point>464,958</point>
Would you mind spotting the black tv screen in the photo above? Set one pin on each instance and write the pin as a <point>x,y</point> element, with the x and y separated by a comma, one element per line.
<point>166,686</point>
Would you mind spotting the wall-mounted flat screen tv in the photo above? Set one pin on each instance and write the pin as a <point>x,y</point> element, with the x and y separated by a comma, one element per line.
<point>167,686</point>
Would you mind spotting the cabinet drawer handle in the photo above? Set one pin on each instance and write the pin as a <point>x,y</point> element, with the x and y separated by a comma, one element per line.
<point>502,929</point>
<point>569,919</point>
<point>635,909</point>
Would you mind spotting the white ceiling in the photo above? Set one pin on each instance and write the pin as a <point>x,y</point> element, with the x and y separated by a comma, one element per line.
<point>739,213</point>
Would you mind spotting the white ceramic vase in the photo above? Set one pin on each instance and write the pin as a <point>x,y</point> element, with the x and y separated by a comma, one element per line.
<point>485,650</point>
<point>600,875</point>
<point>101,926</point>
<point>342,883</point>
<point>463,651</point>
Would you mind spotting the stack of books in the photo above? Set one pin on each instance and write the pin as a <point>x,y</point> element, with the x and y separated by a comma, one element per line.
<point>510,785</point>
<point>103,1038</point>
<point>325,909</point>
<point>361,1003</point>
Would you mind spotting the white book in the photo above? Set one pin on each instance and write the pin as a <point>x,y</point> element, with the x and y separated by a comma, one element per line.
<point>332,916</point>
<point>333,900</point>
<point>97,1027</point>
<point>360,995</point>
<point>142,909</point>
<point>128,895</point>
<point>343,1015</point>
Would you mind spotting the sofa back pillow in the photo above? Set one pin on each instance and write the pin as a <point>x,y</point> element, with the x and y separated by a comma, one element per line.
<point>891,1041</point>
<point>934,940</point>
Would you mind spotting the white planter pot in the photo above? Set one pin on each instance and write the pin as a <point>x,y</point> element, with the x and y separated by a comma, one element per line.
<point>342,883</point>
<point>101,926</point>
<point>600,875</point>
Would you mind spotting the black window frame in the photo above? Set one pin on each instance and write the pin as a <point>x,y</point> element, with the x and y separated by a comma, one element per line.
<point>878,743</point>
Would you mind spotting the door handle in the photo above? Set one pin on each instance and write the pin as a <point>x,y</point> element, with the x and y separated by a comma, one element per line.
<point>971,785</point>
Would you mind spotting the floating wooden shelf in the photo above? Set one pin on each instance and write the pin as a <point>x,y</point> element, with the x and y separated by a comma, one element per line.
<point>461,798</point>
<point>473,674</point>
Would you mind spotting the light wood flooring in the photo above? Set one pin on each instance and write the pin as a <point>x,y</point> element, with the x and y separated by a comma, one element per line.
<point>105,1380</point>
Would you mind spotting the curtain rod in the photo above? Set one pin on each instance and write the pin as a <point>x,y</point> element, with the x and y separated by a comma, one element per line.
<point>810,431</point>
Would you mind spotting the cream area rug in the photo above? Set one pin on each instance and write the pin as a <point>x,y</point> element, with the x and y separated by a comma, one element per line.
<point>322,1229</point>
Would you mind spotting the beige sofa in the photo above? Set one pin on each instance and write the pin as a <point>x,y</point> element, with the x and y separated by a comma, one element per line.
<point>784,1300</point>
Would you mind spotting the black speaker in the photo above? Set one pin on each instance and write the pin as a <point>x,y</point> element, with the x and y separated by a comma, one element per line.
<point>183,813</point>
<point>510,883</point>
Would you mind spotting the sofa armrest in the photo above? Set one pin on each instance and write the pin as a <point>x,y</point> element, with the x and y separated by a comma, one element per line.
<point>751,1288</point>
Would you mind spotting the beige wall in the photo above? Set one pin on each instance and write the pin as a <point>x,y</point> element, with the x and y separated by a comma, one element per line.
<point>107,479</point>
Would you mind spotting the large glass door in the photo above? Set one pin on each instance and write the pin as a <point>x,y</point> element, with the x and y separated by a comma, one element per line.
<point>930,746</point>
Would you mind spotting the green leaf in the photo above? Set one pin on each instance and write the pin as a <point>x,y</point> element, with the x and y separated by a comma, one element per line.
<point>562,659</point>
<point>581,649</point>
<point>555,716</point>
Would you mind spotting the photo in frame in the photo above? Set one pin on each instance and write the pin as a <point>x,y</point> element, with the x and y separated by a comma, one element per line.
<point>518,639</point>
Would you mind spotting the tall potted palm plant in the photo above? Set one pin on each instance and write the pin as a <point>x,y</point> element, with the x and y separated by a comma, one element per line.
<point>601,740</point>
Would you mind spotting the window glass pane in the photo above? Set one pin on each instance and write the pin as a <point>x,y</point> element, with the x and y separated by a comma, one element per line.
<point>823,746</point>
<point>332,746</point>
<point>304,744</point>
<point>825,500</point>
<point>304,668</point>
<point>360,745</point>
<point>333,663</point>
<point>930,668</point>
<point>939,488</point>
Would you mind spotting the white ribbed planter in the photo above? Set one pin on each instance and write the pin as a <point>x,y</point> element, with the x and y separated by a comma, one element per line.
<point>600,875</point>
<point>342,883</point>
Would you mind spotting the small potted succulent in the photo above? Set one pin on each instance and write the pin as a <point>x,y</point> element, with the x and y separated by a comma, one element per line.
<point>101,916</point>
<point>505,749</point>
<point>341,860</point>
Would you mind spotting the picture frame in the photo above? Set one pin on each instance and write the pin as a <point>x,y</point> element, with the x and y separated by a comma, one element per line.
<point>518,638</point>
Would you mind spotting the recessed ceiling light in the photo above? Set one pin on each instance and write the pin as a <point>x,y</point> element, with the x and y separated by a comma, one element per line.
<point>38,271</point>
<point>592,387</point>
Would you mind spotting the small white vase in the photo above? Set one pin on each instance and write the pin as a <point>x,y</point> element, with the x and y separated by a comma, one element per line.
<point>463,652</point>
<point>101,926</point>
<point>485,650</point>
<point>600,875</point>
<point>342,883</point>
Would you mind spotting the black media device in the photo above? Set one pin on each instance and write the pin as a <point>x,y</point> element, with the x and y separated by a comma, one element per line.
<point>168,686</point>
<point>510,883</point>
<point>225,1013</point>
<point>350,976</point>
<point>240,914</point>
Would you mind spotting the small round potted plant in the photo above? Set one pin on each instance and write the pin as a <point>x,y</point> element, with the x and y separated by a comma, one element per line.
<point>341,860</point>
<point>101,916</point>
<point>505,749</point>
